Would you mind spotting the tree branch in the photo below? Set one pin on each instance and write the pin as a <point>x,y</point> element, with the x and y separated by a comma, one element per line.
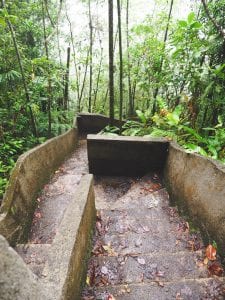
<point>216,25</point>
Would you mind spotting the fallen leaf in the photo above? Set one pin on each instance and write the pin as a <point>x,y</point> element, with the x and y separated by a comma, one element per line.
<point>178,296</point>
<point>160,283</point>
<point>215,269</point>
<point>88,280</point>
<point>210,252</point>
<point>37,215</point>
<point>98,249</point>
<point>206,260</point>
<point>109,250</point>
<point>194,244</point>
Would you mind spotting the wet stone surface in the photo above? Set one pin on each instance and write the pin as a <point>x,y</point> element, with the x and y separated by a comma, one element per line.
<point>142,248</point>
<point>51,206</point>
<point>56,196</point>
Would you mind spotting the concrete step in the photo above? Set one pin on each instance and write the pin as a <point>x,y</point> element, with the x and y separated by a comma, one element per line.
<point>200,289</point>
<point>140,221</point>
<point>34,255</point>
<point>132,243</point>
<point>163,267</point>
<point>191,289</point>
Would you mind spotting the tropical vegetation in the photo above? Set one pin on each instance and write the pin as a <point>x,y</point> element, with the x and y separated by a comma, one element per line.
<point>167,75</point>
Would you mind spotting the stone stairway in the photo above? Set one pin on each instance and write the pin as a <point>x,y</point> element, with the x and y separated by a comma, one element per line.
<point>142,248</point>
<point>51,207</point>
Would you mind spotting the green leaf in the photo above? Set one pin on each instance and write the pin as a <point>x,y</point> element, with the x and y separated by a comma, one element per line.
<point>191,17</point>
<point>141,116</point>
<point>182,23</point>
<point>192,148</point>
<point>196,25</point>
<point>2,22</point>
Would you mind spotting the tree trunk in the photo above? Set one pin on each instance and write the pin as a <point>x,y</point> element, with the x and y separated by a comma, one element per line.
<point>111,64</point>
<point>114,48</point>
<point>130,107</point>
<point>74,57</point>
<point>162,58</point>
<point>48,73</point>
<point>83,83</point>
<point>13,35</point>
<point>91,58</point>
<point>66,91</point>
<point>121,59</point>
<point>219,29</point>
<point>98,77</point>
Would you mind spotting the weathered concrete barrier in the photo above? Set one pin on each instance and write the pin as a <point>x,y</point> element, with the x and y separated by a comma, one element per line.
<point>197,184</point>
<point>66,269</point>
<point>119,155</point>
<point>32,170</point>
<point>17,282</point>
<point>93,123</point>
<point>67,257</point>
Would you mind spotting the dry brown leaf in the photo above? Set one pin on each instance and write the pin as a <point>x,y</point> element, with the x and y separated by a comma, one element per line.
<point>215,269</point>
<point>210,252</point>
<point>178,296</point>
<point>160,283</point>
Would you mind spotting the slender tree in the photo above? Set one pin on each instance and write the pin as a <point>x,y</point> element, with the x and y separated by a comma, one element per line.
<point>99,73</point>
<point>131,106</point>
<point>111,63</point>
<point>121,59</point>
<point>66,91</point>
<point>91,57</point>
<point>84,81</point>
<point>219,28</point>
<point>48,71</point>
<point>162,58</point>
<point>13,35</point>
<point>74,56</point>
<point>114,49</point>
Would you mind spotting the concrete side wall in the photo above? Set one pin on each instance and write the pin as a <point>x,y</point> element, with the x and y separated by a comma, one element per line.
<point>125,155</point>
<point>197,184</point>
<point>17,282</point>
<point>32,170</point>
<point>70,250</point>
<point>93,123</point>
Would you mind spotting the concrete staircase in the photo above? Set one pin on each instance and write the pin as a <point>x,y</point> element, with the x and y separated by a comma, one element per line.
<point>144,250</point>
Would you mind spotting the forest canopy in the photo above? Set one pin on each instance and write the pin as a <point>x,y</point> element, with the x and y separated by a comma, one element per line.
<point>168,73</point>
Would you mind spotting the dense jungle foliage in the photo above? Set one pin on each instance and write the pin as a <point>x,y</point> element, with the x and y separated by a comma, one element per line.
<point>169,73</point>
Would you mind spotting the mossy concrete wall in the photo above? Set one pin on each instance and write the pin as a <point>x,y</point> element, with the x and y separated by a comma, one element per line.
<point>116,155</point>
<point>197,185</point>
<point>17,282</point>
<point>32,170</point>
<point>66,269</point>
<point>93,123</point>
